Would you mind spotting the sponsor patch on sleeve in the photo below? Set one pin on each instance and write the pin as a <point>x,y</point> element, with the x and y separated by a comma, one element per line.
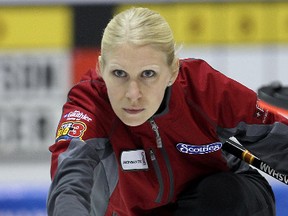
<point>261,113</point>
<point>70,130</point>
<point>76,115</point>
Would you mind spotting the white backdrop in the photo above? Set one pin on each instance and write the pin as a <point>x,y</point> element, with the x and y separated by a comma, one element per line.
<point>253,65</point>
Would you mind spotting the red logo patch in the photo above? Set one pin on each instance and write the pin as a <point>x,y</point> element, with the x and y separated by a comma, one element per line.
<point>70,130</point>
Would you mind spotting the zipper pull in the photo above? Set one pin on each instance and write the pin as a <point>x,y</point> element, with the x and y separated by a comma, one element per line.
<point>155,129</point>
<point>152,155</point>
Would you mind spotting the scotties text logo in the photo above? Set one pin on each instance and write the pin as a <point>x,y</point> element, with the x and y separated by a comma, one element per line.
<point>198,149</point>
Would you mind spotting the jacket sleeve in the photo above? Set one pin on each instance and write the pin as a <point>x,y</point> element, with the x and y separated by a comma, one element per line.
<point>83,117</point>
<point>263,133</point>
<point>268,141</point>
<point>233,110</point>
<point>71,187</point>
<point>75,123</point>
<point>85,179</point>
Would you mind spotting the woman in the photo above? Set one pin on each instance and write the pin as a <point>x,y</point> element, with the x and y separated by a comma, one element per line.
<point>142,135</point>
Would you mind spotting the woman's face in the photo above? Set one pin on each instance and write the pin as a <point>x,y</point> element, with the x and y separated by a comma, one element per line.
<point>136,78</point>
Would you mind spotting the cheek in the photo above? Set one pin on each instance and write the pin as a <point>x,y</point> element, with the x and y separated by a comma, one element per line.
<point>157,96</point>
<point>115,93</point>
<point>112,94</point>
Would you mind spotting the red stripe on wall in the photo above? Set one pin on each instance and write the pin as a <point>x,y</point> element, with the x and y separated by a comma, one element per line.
<point>83,60</point>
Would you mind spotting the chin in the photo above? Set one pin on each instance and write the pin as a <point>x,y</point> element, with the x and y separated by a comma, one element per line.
<point>133,123</point>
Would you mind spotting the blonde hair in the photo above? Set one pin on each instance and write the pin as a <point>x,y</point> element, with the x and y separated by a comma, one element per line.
<point>139,26</point>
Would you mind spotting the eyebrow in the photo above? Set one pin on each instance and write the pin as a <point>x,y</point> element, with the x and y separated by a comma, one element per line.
<point>149,67</point>
<point>145,67</point>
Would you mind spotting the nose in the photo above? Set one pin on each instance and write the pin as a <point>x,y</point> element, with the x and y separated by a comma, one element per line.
<point>133,91</point>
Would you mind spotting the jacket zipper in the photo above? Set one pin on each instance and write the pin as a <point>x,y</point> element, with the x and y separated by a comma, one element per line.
<point>156,165</point>
<point>170,173</point>
<point>155,129</point>
<point>158,175</point>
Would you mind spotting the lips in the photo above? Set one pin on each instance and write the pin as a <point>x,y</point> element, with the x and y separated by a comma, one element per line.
<point>133,111</point>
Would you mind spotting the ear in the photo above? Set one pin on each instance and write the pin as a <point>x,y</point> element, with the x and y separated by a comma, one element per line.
<point>175,71</point>
<point>99,66</point>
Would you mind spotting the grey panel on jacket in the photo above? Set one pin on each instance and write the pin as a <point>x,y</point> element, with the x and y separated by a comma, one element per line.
<point>269,142</point>
<point>105,178</point>
<point>87,175</point>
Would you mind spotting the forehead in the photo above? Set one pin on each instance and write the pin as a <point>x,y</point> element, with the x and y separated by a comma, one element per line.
<point>128,54</point>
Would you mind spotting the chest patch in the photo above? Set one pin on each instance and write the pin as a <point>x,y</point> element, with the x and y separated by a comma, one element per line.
<point>198,149</point>
<point>134,160</point>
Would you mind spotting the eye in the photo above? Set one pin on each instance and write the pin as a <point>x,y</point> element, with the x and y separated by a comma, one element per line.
<point>148,73</point>
<point>119,73</point>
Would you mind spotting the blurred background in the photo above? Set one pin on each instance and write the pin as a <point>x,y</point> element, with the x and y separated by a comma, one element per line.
<point>45,46</point>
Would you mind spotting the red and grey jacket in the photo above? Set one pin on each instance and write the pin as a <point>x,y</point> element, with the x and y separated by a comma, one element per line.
<point>101,166</point>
